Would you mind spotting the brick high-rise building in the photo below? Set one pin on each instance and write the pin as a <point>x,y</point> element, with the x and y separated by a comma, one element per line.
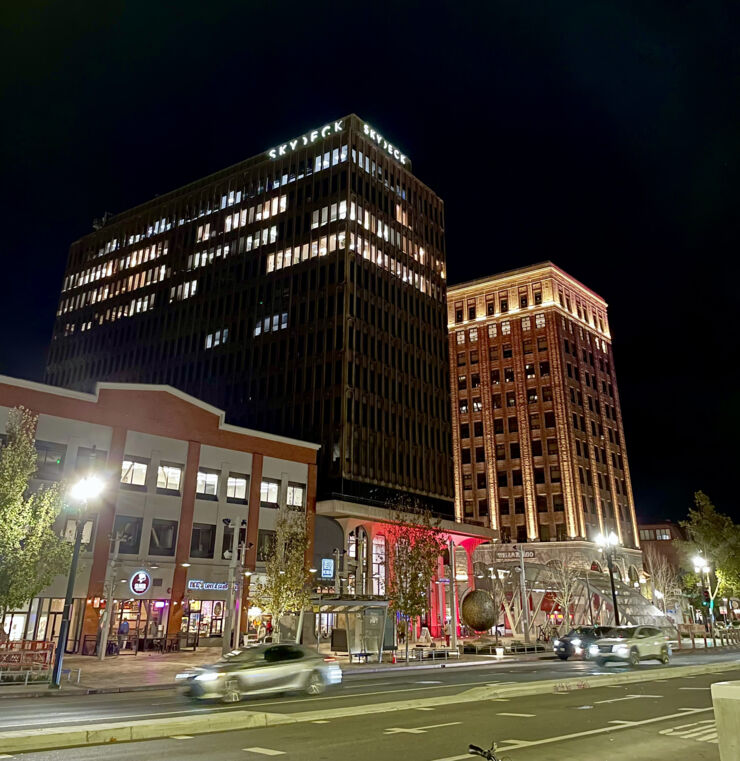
<point>538,440</point>
<point>302,291</point>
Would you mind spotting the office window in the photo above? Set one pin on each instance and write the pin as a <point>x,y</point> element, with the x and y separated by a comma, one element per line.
<point>207,483</point>
<point>169,477</point>
<point>236,488</point>
<point>129,529</point>
<point>536,447</point>
<point>464,431</point>
<point>90,460</point>
<point>202,540</point>
<point>163,537</point>
<point>265,544</point>
<point>133,472</point>
<point>460,335</point>
<point>526,323</point>
<point>541,501</point>
<point>492,332</point>
<point>515,451</point>
<point>519,506</point>
<point>555,474</point>
<point>539,320</point>
<point>513,425</point>
<point>508,374</point>
<point>473,334</point>
<point>296,495</point>
<point>506,328</point>
<point>269,490</point>
<point>50,460</point>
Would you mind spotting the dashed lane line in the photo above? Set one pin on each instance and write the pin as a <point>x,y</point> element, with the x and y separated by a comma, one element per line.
<point>265,751</point>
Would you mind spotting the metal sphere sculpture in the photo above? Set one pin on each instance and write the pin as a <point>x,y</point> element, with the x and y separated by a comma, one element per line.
<point>478,611</point>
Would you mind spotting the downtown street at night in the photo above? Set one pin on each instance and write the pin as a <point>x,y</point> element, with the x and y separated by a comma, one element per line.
<point>366,381</point>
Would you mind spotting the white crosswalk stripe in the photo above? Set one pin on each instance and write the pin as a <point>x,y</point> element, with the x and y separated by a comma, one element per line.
<point>700,731</point>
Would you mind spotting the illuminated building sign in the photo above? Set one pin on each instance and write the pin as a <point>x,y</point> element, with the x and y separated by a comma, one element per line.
<point>307,139</point>
<point>327,568</point>
<point>381,142</point>
<point>199,584</point>
<point>140,582</point>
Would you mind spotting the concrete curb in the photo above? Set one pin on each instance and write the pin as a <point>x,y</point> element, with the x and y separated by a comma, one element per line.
<point>19,741</point>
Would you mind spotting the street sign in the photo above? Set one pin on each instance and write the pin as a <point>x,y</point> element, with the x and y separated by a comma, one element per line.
<point>327,568</point>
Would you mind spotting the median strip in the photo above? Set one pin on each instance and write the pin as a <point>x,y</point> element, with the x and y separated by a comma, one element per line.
<point>152,729</point>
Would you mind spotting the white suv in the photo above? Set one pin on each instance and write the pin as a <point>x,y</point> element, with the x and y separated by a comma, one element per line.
<point>632,644</point>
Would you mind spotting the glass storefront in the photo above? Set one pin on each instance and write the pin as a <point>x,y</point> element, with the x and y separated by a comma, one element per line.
<point>203,618</point>
<point>41,620</point>
<point>138,624</point>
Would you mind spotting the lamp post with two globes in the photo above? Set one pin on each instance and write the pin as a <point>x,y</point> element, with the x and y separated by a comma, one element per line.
<point>81,493</point>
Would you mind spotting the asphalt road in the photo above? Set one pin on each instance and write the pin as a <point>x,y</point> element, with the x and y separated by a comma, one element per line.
<point>358,689</point>
<point>658,720</point>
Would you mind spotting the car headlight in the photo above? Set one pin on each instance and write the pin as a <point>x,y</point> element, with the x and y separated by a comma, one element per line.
<point>575,642</point>
<point>207,676</point>
<point>594,650</point>
<point>555,642</point>
<point>184,675</point>
<point>621,650</point>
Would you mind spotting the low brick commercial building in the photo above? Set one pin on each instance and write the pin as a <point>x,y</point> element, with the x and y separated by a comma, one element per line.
<point>178,479</point>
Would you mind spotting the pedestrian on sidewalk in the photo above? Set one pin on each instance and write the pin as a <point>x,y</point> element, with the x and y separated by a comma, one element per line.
<point>447,632</point>
<point>122,634</point>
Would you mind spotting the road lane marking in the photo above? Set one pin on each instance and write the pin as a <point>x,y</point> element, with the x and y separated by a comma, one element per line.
<point>418,730</point>
<point>508,745</point>
<point>700,731</point>
<point>423,708</point>
<point>694,688</point>
<point>181,737</point>
<point>628,697</point>
<point>265,751</point>
<point>429,681</point>
<point>320,721</point>
<point>521,715</point>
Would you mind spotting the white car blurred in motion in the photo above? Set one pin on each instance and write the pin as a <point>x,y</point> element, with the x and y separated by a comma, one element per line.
<point>260,671</point>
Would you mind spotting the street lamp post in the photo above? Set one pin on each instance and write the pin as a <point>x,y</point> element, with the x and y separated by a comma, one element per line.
<point>82,492</point>
<point>702,569</point>
<point>608,545</point>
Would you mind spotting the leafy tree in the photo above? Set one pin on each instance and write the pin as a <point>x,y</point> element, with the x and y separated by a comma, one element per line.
<point>286,587</point>
<point>415,542</point>
<point>716,538</point>
<point>31,553</point>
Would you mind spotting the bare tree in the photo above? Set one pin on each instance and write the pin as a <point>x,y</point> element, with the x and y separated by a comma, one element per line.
<point>663,576</point>
<point>564,580</point>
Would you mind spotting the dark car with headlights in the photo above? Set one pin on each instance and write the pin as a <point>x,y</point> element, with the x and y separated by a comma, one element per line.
<point>577,641</point>
<point>260,671</point>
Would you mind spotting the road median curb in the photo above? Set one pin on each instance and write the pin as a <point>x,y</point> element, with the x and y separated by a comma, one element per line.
<point>19,741</point>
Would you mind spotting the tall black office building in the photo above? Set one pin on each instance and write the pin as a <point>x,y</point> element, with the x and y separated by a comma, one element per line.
<point>301,290</point>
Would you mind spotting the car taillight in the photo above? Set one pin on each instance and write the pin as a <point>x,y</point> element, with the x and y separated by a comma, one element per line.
<point>329,660</point>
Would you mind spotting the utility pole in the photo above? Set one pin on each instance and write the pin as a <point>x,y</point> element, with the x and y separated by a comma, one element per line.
<point>110,580</point>
<point>525,596</point>
<point>229,613</point>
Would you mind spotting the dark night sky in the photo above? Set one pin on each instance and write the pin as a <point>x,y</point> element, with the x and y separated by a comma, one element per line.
<point>602,135</point>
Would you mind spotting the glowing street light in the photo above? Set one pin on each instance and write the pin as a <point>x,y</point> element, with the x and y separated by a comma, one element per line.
<point>608,546</point>
<point>81,493</point>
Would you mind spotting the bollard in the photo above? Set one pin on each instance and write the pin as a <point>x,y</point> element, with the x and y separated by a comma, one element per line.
<point>726,702</point>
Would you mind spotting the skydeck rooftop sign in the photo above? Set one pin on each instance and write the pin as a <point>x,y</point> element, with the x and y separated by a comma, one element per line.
<point>307,139</point>
<point>381,142</point>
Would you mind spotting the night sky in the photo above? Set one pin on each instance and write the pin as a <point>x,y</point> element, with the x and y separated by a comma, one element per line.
<point>604,136</point>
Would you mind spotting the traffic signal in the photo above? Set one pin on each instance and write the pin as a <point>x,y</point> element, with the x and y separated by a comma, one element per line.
<point>705,597</point>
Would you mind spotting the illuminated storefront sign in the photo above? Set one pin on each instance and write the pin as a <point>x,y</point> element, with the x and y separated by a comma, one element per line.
<point>140,582</point>
<point>327,568</point>
<point>381,142</point>
<point>307,139</point>
<point>199,584</point>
